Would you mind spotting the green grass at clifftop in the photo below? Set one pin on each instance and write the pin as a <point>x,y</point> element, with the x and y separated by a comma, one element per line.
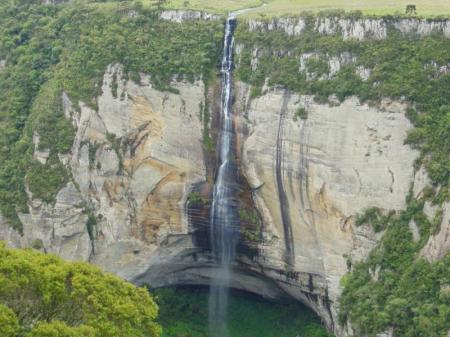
<point>216,6</point>
<point>292,7</point>
<point>184,313</point>
<point>376,7</point>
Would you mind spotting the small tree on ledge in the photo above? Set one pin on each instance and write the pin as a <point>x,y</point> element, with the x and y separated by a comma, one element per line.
<point>411,9</point>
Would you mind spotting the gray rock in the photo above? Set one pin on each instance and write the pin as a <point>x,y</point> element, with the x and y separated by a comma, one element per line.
<point>336,163</point>
<point>60,227</point>
<point>358,29</point>
<point>414,230</point>
<point>187,15</point>
<point>439,244</point>
<point>39,155</point>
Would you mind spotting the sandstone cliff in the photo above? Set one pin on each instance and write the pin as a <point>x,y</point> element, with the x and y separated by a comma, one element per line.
<point>354,28</point>
<point>310,177</point>
<point>135,162</point>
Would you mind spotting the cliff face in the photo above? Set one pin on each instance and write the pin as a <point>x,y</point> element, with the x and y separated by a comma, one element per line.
<point>136,160</point>
<point>356,28</point>
<point>186,15</point>
<point>310,177</point>
<point>133,164</point>
<point>438,244</point>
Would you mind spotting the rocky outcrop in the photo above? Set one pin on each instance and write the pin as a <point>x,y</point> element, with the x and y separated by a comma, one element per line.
<point>187,15</point>
<point>291,26</point>
<point>148,155</point>
<point>335,63</point>
<point>439,244</point>
<point>41,155</point>
<point>133,164</point>
<point>354,28</point>
<point>422,27</point>
<point>58,228</point>
<point>310,177</point>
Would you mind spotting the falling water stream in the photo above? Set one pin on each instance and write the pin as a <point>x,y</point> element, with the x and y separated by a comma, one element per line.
<point>224,215</point>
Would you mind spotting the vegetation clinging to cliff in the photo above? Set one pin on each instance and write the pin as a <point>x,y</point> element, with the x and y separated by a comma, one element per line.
<point>399,67</point>
<point>50,49</point>
<point>395,287</point>
<point>41,295</point>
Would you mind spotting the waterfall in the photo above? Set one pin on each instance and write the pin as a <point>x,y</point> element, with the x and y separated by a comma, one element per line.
<point>224,214</point>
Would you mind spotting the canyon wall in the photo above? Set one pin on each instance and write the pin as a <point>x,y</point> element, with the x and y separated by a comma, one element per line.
<point>133,163</point>
<point>358,28</point>
<point>136,161</point>
<point>311,176</point>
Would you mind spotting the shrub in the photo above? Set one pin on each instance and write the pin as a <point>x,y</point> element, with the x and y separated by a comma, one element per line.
<point>195,199</point>
<point>300,113</point>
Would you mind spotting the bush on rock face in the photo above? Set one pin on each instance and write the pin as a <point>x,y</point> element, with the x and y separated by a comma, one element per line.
<point>43,296</point>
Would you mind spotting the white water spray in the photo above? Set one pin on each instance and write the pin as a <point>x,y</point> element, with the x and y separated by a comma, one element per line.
<point>224,217</point>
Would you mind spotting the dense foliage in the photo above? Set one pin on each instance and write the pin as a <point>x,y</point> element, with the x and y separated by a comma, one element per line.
<point>50,49</point>
<point>184,313</point>
<point>394,288</point>
<point>42,296</point>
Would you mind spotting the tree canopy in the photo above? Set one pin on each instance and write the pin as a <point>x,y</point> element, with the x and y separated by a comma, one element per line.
<point>43,296</point>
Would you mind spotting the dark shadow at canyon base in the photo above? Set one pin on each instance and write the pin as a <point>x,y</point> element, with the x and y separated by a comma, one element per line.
<point>184,313</point>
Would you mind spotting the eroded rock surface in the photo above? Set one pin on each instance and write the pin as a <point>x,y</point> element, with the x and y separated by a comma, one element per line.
<point>135,161</point>
<point>439,244</point>
<point>133,164</point>
<point>187,15</point>
<point>310,177</point>
<point>354,28</point>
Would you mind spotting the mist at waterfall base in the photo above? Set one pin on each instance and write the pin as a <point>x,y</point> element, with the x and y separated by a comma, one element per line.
<point>224,215</point>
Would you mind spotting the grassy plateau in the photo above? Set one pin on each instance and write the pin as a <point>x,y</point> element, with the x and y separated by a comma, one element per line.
<point>425,8</point>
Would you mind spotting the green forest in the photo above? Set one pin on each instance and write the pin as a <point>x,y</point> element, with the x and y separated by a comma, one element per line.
<point>43,296</point>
